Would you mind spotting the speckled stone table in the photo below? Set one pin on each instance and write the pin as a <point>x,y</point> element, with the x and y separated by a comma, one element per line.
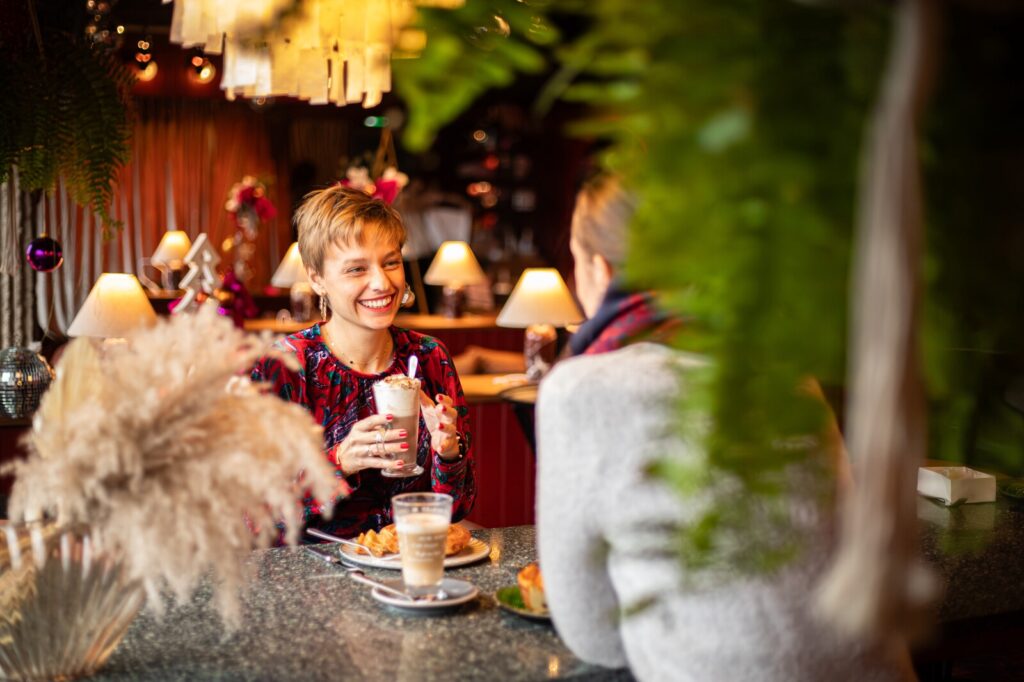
<point>978,551</point>
<point>305,620</point>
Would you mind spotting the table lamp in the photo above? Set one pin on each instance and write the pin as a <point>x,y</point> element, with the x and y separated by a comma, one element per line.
<point>169,257</point>
<point>291,274</point>
<point>454,267</point>
<point>540,302</point>
<point>115,307</point>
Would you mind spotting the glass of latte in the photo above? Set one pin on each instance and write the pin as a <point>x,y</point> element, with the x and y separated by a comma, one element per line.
<point>399,396</point>
<point>422,521</point>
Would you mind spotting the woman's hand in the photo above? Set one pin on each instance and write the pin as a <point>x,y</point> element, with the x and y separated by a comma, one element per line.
<point>440,418</point>
<point>371,444</point>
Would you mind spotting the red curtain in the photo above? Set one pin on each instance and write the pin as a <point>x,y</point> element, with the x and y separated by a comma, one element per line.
<point>186,157</point>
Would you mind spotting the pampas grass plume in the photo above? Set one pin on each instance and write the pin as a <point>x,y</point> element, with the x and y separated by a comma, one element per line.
<point>157,446</point>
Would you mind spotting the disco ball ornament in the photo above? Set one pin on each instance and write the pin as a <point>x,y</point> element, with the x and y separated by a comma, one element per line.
<point>24,377</point>
<point>44,254</point>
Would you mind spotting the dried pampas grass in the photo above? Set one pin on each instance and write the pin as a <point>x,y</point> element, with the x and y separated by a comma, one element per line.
<point>164,453</point>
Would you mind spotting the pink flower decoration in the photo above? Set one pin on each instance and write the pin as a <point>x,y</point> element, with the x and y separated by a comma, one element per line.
<point>248,204</point>
<point>386,188</point>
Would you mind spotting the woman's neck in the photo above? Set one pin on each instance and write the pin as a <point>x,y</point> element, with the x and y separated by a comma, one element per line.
<point>365,350</point>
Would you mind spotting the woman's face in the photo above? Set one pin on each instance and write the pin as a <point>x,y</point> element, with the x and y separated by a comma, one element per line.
<point>363,283</point>
<point>592,277</point>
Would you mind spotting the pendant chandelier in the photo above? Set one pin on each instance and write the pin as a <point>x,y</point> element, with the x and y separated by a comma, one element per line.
<point>322,51</point>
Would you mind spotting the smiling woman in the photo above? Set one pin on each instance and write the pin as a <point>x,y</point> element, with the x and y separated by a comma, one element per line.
<point>351,245</point>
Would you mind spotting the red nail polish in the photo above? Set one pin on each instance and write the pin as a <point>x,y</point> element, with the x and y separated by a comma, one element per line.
<point>405,446</point>
<point>402,434</point>
<point>390,417</point>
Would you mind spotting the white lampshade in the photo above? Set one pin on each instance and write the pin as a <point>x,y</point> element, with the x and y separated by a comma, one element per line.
<point>116,306</point>
<point>291,270</point>
<point>540,297</point>
<point>454,266</point>
<point>172,249</point>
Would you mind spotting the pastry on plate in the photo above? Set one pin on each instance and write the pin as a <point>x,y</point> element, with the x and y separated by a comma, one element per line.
<point>385,541</point>
<point>531,588</point>
<point>458,538</point>
<point>379,543</point>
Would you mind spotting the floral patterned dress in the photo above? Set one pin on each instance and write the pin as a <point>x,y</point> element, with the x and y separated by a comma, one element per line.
<point>338,396</point>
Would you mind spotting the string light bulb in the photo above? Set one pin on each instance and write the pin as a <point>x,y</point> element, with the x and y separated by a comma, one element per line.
<point>202,69</point>
<point>144,60</point>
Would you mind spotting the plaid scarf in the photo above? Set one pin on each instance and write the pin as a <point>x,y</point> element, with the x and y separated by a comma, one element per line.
<point>623,318</point>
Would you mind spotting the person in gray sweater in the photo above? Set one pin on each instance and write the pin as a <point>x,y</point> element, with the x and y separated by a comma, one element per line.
<point>617,593</point>
<point>604,544</point>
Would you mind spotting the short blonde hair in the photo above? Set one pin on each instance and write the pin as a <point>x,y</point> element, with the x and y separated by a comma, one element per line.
<point>346,216</point>
<point>602,217</point>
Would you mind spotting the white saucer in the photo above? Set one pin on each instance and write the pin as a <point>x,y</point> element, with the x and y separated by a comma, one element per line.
<point>457,591</point>
<point>474,551</point>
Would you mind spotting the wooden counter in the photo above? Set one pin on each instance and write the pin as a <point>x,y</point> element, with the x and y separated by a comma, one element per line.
<point>423,323</point>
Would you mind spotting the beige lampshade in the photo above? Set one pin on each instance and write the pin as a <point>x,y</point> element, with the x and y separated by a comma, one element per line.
<point>172,249</point>
<point>291,270</point>
<point>454,266</point>
<point>116,306</point>
<point>540,297</point>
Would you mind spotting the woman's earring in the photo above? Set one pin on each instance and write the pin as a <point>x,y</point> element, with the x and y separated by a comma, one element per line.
<point>323,307</point>
<point>408,298</point>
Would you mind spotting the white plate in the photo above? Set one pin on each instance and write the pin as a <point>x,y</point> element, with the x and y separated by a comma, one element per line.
<point>458,591</point>
<point>474,551</point>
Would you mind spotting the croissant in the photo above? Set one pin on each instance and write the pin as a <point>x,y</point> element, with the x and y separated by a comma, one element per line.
<point>385,541</point>
<point>379,543</point>
<point>458,538</point>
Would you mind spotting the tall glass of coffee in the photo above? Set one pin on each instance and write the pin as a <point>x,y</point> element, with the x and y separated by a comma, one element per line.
<point>422,521</point>
<point>399,396</point>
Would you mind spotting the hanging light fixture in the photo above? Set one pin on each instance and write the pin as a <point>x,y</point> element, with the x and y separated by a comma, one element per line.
<point>336,51</point>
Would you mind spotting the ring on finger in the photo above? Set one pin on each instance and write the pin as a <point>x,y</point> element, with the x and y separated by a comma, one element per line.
<point>380,448</point>
<point>378,438</point>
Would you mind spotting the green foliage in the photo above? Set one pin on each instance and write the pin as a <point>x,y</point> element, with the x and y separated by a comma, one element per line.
<point>67,115</point>
<point>480,46</point>
<point>739,124</point>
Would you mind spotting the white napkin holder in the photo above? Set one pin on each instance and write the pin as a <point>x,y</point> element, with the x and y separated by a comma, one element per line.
<point>956,484</point>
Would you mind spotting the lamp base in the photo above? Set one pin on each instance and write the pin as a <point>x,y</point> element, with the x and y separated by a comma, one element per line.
<point>301,300</point>
<point>453,301</point>
<point>539,350</point>
<point>171,277</point>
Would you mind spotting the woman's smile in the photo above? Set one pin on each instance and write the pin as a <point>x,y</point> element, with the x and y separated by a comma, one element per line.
<point>380,303</point>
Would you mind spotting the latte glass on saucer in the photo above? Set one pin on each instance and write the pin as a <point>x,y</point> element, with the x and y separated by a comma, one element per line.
<point>422,521</point>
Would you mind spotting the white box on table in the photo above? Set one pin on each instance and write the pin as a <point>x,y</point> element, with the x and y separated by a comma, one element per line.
<point>953,484</point>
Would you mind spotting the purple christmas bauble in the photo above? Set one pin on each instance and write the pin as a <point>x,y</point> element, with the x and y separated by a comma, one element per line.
<point>44,254</point>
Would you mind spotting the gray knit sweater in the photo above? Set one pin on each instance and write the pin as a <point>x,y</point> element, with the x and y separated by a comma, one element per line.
<point>600,418</point>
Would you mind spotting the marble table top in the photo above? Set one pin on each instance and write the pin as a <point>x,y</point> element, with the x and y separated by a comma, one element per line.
<point>977,552</point>
<point>305,619</point>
